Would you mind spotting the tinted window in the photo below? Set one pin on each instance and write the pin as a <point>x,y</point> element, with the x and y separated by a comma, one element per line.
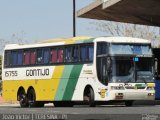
<point>72,53</point>
<point>26,58</point>
<point>14,58</point>
<point>39,56</point>
<point>33,57</point>
<point>91,52</point>
<point>19,57</point>
<point>86,53</point>
<point>68,54</point>
<point>130,49</point>
<point>83,55</point>
<point>53,55</point>
<point>101,48</point>
<point>7,58</point>
<point>60,56</point>
<point>75,54</point>
<point>46,55</point>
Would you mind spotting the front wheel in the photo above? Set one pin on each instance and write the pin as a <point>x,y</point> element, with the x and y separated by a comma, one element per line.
<point>89,97</point>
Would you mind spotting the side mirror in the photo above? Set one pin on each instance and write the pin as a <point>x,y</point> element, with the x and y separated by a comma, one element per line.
<point>156,67</point>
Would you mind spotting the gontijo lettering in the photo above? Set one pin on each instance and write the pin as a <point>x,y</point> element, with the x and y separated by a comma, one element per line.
<point>37,72</point>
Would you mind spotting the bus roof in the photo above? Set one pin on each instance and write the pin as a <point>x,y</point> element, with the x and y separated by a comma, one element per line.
<point>76,40</point>
<point>123,40</point>
<point>51,42</point>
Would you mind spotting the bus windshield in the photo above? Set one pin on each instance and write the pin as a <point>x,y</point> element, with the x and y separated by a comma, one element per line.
<point>127,70</point>
<point>130,49</point>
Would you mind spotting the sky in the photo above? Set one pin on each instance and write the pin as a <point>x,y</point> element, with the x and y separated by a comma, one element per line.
<point>30,21</point>
<point>37,20</point>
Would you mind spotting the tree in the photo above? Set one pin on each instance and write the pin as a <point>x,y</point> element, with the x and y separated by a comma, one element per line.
<point>129,30</point>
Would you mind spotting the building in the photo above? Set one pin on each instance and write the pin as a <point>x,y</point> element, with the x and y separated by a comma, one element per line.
<point>145,12</point>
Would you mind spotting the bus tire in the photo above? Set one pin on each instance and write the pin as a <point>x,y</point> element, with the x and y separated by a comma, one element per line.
<point>23,101</point>
<point>32,98</point>
<point>128,103</point>
<point>89,96</point>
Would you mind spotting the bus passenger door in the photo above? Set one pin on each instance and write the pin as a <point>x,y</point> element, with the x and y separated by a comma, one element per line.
<point>101,62</point>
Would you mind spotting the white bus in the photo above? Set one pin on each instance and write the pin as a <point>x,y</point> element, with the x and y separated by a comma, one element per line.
<point>82,69</point>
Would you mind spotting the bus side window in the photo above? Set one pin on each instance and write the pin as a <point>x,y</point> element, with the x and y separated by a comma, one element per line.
<point>53,56</point>
<point>14,58</point>
<point>33,57</point>
<point>19,57</point>
<point>7,58</point>
<point>46,55</point>
<point>68,54</point>
<point>75,54</point>
<point>101,48</point>
<point>91,52</point>
<point>26,58</point>
<point>39,56</point>
<point>60,56</point>
<point>83,53</point>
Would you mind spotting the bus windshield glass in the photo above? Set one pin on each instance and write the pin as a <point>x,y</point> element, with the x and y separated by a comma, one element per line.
<point>128,70</point>
<point>144,70</point>
<point>122,70</point>
<point>130,49</point>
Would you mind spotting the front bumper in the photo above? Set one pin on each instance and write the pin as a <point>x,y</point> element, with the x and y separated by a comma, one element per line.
<point>132,95</point>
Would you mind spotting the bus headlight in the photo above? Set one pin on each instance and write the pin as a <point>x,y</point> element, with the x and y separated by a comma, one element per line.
<point>117,88</point>
<point>150,94</point>
<point>150,88</point>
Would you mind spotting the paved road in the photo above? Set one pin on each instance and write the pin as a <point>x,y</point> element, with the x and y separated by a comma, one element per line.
<point>139,109</point>
<point>137,112</point>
